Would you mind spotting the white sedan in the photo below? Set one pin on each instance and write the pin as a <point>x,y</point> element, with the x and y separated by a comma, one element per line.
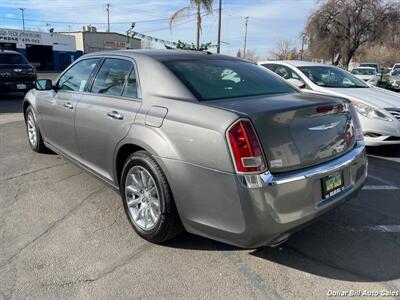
<point>368,74</point>
<point>379,109</point>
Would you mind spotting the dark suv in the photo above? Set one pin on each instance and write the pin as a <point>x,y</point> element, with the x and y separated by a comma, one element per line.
<point>16,74</point>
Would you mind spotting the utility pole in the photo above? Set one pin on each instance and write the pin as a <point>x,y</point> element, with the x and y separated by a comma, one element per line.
<point>219,27</point>
<point>108,16</point>
<point>245,37</point>
<point>302,45</point>
<point>23,17</point>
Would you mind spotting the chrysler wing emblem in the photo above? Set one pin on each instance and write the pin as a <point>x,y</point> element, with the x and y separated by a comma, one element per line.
<point>325,126</point>
<point>18,70</point>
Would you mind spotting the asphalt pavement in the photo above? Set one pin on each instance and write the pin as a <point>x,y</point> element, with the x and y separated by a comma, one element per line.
<point>64,235</point>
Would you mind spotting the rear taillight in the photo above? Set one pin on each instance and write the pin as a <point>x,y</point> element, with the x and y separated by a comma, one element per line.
<point>358,133</point>
<point>34,72</point>
<point>246,150</point>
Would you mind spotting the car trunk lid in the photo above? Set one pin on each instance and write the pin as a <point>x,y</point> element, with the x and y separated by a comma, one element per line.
<point>296,130</point>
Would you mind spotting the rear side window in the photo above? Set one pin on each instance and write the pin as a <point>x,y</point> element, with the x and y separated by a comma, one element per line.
<point>221,79</point>
<point>76,77</point>
<point>283,71</point>
<point>111,78</point>
<point>12,59</point>
<point>131,88</point>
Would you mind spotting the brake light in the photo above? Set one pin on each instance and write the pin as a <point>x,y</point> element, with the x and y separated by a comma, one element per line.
<point>34,72</point>
<point>358,133</point>
<point>245,148</point>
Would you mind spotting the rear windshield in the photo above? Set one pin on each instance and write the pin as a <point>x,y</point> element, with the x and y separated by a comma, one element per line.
<point>369,65</point>
<point>363,71</point>
<point>12,59</point>
<point>396,72</point>
<point>221,79</point>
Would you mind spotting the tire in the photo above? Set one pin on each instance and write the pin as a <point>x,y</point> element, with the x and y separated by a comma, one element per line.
<point>34,137</point>
<point>154,224</point>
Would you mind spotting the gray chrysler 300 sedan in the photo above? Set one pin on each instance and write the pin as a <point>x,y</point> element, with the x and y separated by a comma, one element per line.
<point>208,143</point>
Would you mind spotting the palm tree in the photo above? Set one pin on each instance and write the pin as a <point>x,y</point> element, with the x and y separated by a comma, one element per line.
<point>198,5</point>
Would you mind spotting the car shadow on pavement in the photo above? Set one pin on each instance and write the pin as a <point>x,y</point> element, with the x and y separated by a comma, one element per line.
<point>366,250</point>
<point>385,151</point>
<point>195,242</point>
<point>357,242</point>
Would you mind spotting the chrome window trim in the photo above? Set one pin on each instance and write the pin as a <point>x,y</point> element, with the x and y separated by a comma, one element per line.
<point>102,58</point>
<point>70,67</point>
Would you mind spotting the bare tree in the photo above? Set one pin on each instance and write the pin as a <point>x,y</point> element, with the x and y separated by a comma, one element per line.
<point>283,49</point>
<point>339,28</point>
<point>251,55</point>
<point>382,54</point>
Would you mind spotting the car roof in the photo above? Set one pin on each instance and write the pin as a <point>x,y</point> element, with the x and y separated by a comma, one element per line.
<point>365,68</point>
<point>295,63</point>
<point>9,52</point>
<point>168,55</point>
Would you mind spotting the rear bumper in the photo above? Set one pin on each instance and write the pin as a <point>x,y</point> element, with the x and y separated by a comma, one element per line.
<point>256,210</point>
<point>382,141</point>
<point>13,86</point>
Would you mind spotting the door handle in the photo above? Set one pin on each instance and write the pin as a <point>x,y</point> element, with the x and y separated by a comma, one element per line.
<point>115,115</point>
<point>68,105</point>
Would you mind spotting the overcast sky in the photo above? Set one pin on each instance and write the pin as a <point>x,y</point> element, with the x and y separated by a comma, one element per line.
<point>269,20</point>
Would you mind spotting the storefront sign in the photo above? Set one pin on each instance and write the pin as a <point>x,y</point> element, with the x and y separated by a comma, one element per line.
<point>20,37</point>
<point>114,45</point>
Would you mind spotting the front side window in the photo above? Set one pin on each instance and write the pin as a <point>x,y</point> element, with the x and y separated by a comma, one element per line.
<point>110,79</point>
<point>332,77</point>
<point>221,79</point>
<point>283,71</point>
<point>12,59</point>
<point>76,77</point>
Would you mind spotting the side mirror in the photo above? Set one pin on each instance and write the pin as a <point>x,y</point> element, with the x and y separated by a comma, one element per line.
<point>43,85</point>
<point>298,83</point>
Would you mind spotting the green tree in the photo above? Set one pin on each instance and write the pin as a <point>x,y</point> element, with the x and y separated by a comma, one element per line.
<point>198,5</point>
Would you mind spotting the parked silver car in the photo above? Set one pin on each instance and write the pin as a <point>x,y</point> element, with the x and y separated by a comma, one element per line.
<point>210,143</point>
<point>394,79</point>
<point>367,74</point>
<point>378,109</point>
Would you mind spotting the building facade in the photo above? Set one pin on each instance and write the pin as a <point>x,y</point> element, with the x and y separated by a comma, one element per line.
<point>93,41</point>
<point>44,50</point>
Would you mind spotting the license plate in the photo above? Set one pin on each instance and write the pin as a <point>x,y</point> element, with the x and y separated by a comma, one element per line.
<point>332,184</point>
<point>21,86</point>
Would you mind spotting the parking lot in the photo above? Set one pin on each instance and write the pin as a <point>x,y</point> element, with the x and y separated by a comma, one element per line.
<point>63,235</point>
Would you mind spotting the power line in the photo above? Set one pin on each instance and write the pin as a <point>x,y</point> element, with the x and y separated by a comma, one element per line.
<point>94,23</point>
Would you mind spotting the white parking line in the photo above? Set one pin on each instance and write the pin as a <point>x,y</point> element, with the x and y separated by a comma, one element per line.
<point>380,187</point>
<point>381,180</point>
<point>377,228</point>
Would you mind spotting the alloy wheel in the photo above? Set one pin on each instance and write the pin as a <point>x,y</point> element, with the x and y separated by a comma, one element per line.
<point>142,198</point>
<point>31,126</point>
